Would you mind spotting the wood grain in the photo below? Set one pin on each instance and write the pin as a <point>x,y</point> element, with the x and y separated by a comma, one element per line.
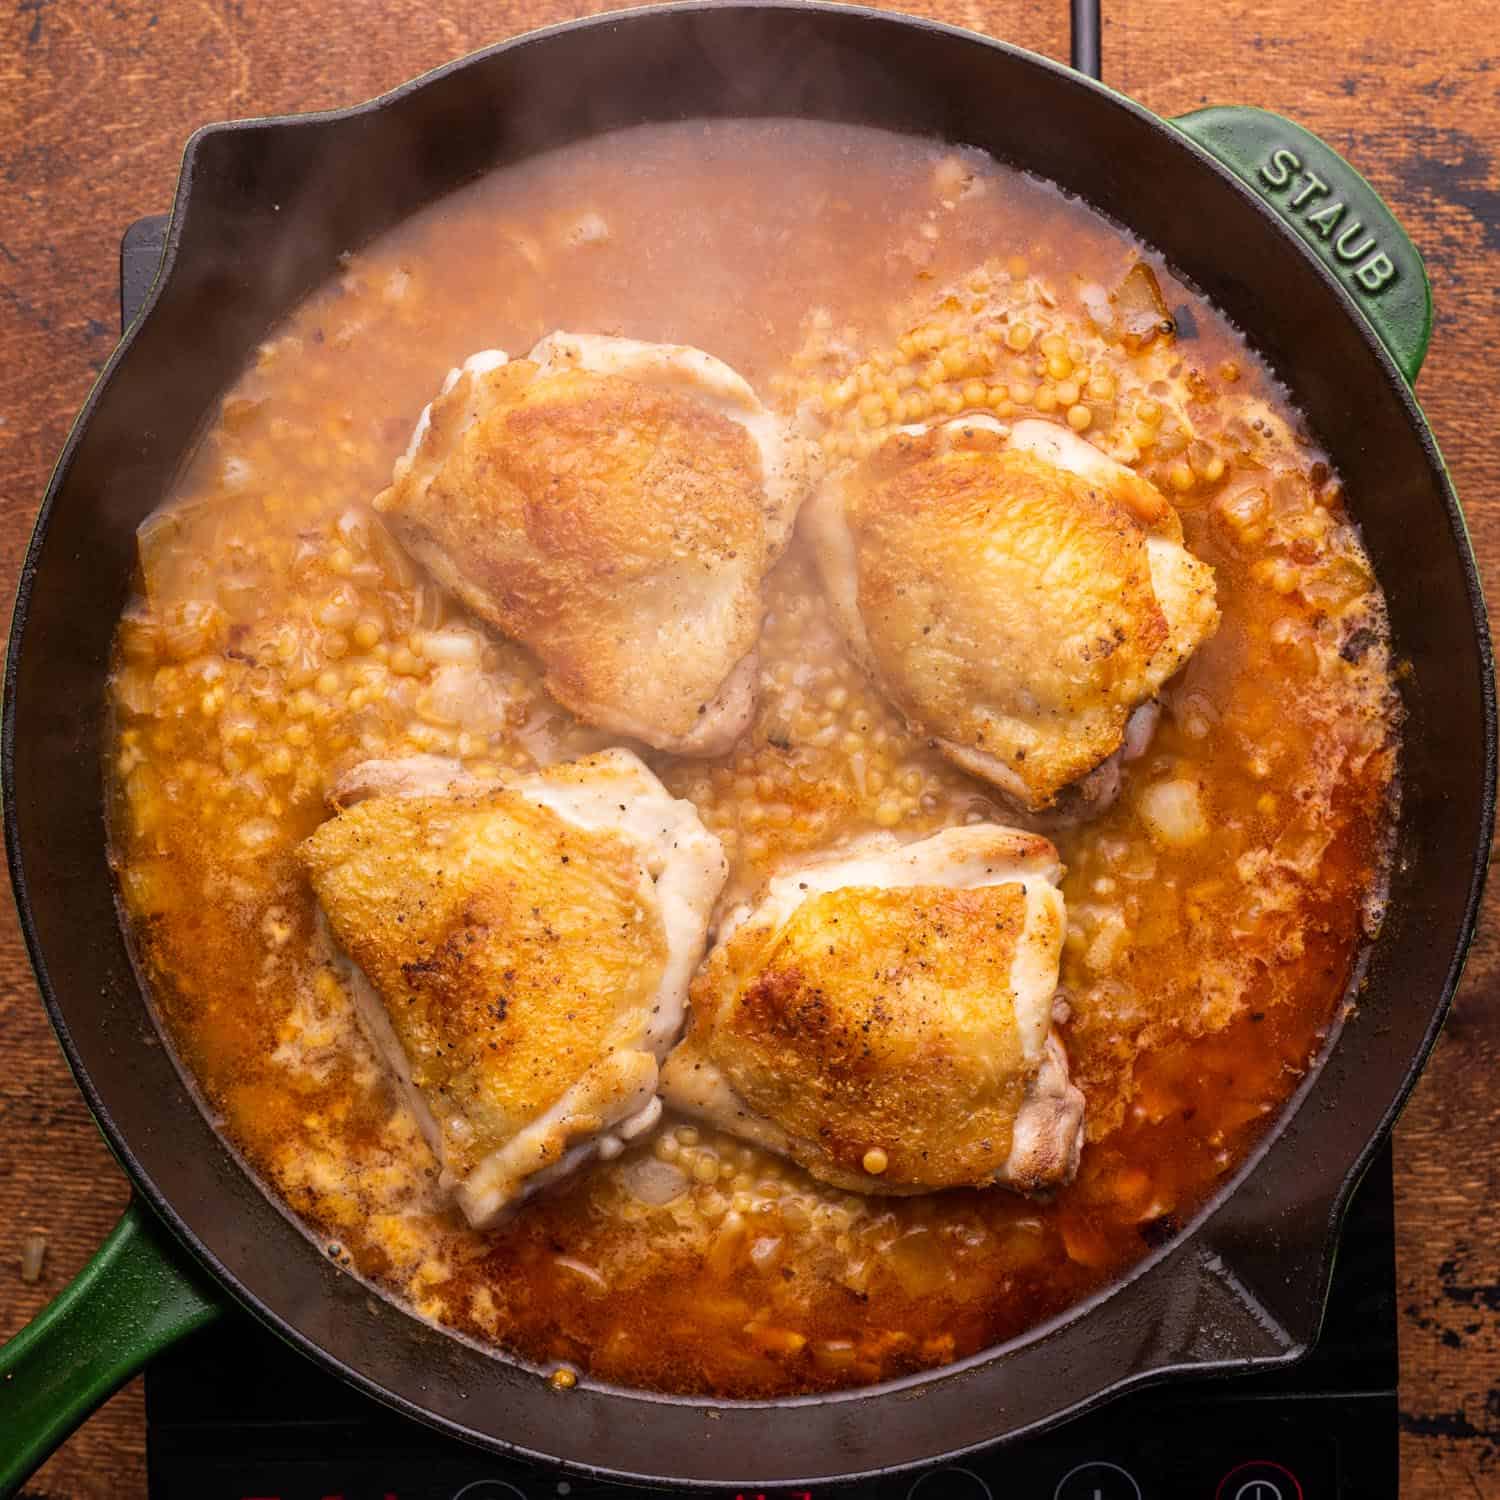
<point>96,100</point>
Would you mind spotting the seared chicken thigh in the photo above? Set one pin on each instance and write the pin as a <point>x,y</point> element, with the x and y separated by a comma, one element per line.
<point>1016,594</point>
<point>884,1017</point>
<point>613,506</point>
<point>523,953</point>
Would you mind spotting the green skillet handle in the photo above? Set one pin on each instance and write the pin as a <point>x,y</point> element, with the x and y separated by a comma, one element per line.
<point>1337,213</point>
<point>130,1301</point>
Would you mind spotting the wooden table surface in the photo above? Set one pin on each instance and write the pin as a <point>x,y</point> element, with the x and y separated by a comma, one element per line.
<point>96,100</point>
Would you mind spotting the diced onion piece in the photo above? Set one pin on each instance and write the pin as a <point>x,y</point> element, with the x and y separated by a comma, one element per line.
<point>765,1252</point>
<point>1140,307</point>
<point>461,646</point>
<point>133,691</point>
<point>1096,304</point>
<point>191,628</point>
<point>160,541</point>
<point>582,1270</point>
<point>1245,512</point>
<point>464,697</point>
<point>1173,813</point>
<point>1108,943</point>
<point>1139,729</point>
<point>653,1181</point>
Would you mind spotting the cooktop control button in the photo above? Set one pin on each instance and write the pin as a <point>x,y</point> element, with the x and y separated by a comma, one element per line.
<point>1097,1481</point>
<point>950,1484</point>
<point>489,1489</point>
<point>1260,1480</point>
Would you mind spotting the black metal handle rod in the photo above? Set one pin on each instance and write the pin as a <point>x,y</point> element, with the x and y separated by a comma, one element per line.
<point>1086,29</point>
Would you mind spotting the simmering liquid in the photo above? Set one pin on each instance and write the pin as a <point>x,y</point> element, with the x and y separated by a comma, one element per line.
<point>281,636</point>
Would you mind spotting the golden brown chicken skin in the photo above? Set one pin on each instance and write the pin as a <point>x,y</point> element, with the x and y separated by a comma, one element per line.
<point>1015,593</point>
<point>522,952</point>
<point>613,506</point>
<point>884,1018</point>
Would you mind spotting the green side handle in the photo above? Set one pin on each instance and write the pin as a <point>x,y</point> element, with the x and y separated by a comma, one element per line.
<point>136,1296</point>
<point>1338,215</point>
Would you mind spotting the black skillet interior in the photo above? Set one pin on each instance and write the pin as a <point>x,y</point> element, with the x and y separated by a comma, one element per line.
<point>262,213</point>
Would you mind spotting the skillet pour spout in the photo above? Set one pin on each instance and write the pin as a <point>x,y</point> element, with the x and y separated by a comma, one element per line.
<point>263,211</point>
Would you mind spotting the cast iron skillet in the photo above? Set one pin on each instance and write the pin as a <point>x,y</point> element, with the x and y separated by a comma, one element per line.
<point>1243,204</point>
